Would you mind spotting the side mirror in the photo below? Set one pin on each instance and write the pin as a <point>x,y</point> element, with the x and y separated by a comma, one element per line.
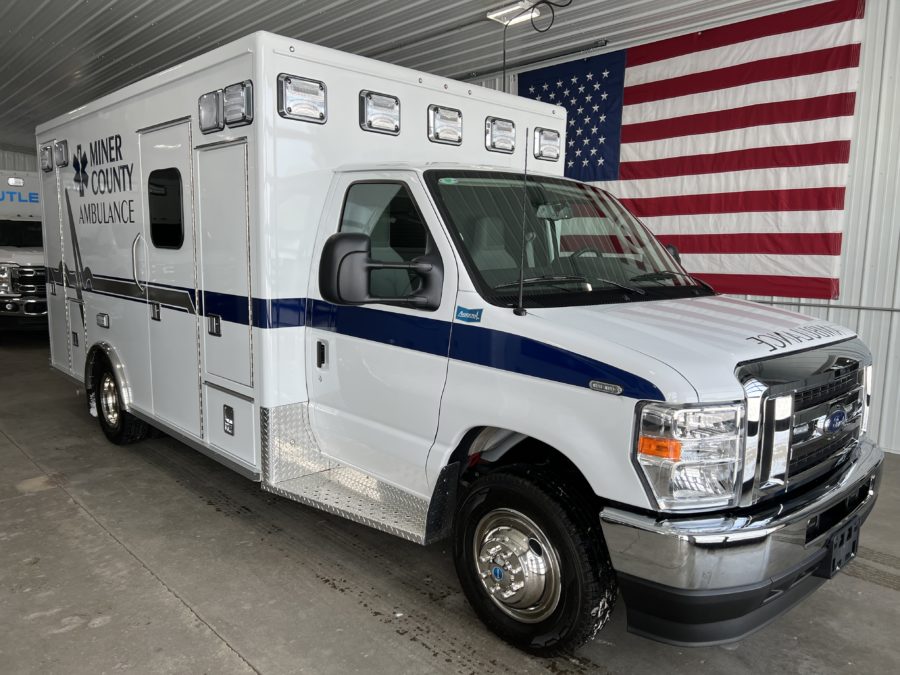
<point>346,268</point>
<point>673,251</point>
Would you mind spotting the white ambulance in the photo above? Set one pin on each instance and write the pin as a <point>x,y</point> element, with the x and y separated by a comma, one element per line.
<point>371,290</point>
<point>22,273</point>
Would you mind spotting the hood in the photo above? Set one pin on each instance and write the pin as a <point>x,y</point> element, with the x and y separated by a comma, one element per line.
<point>701,338</point>
<point>24,256</point>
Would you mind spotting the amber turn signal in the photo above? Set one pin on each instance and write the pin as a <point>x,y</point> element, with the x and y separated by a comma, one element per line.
<point>665,448</point>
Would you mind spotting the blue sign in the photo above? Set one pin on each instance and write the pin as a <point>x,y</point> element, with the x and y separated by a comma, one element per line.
<point>468,315</point>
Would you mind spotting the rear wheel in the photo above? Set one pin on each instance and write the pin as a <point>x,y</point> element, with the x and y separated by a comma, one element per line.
<point>119,426</point>
<point>532,562</point>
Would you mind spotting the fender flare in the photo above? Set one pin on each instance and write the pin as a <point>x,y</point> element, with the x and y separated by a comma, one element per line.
<point>108,352</point>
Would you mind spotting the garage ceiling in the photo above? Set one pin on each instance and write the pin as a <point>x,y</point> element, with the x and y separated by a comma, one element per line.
<point>58,55</point>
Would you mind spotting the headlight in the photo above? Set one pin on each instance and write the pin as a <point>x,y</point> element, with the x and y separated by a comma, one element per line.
<point>691,456</point>
<point>5,280</point>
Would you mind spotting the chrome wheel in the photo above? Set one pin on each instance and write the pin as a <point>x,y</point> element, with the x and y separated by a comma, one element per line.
<point>109,400</point>
<point>518,565</point>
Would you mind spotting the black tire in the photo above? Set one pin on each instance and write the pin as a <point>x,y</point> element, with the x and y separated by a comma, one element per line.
<point>119,426</point>
<point>587,587</point>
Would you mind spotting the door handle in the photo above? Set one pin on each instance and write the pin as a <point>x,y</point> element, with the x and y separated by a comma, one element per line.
<point>321,353</point>
<point>134,271</point>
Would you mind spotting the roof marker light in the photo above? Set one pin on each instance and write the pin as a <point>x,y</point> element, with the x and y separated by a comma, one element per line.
<point>379,112</point>
<point>303,99</point>
<point>499,135</point>
<point>444,125</point>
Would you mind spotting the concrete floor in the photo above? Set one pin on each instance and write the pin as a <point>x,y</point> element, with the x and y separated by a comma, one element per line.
<point>153,558</point>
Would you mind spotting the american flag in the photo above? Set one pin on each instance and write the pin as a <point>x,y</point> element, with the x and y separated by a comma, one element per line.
<point>730,143</point>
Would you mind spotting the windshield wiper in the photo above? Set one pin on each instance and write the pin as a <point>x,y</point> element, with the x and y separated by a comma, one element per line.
<point>668,274</point>
<point>556,280</point>
<point>547,279</point>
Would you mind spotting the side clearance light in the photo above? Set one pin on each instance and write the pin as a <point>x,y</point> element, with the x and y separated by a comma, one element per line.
<point>238,104</point>
<point>546,144</point>
<point>444,125</point>
<point>379,112</point>
<point>210,112</point>
<point>499,135</point>
<point>302,99</point>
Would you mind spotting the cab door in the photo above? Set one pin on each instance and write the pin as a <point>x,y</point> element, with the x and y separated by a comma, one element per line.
<point>171,276</point>
<point>376,373</point>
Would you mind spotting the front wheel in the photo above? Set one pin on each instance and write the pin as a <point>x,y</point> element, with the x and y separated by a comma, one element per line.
<point>531,560</point>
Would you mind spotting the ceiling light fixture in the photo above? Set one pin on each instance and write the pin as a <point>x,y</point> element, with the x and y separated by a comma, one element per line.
<point>514,13</point>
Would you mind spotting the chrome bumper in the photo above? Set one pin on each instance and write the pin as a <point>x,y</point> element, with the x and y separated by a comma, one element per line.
<point>707,553</point>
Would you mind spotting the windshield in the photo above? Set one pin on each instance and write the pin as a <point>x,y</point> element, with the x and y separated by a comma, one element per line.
<point>20,233</point>
<point>581,246</point>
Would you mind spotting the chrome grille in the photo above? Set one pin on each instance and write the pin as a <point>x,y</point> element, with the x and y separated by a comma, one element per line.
<point>805,411</point>
<point>30,281</point>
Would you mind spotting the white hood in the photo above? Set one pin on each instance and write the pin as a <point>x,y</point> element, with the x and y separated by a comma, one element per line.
<point>701,338</point>
<point>24,256</point>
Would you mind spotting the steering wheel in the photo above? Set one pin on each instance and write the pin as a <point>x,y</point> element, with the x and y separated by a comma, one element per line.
<point>587,249</point>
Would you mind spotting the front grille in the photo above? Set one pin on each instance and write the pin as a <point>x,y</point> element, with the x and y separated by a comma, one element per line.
<point>805,414</point>
<point>30,281</point>
<point>824,392</point>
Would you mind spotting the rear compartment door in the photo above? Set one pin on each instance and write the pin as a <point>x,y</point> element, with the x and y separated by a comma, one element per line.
<point>53,257</point>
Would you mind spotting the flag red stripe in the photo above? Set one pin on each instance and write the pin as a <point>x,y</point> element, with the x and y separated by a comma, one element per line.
<point>782,112</point>
<point>804,199</point>
<point>774,24</point>
<point>809,154</point>
<point>822,288</point>
<point>763,70</point>
<point>773,243</point>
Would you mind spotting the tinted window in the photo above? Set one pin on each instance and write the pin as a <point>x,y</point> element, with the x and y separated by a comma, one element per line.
<point>388,214</point>
<point>20,233</point>
<point>164,200</point>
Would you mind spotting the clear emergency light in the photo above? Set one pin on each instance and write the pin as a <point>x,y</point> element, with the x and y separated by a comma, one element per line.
<point>210,112</point>
<point>379,112</point>
<point>61,153</point>
<point>15,181</point>
<point>302,99</point>
<point>546,144</point>
<point>238,104</point>
<point>444,125</point>
<point>46,158</point>
<point>499,135</point>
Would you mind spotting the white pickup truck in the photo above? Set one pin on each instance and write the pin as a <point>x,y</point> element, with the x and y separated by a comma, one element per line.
<point>372,290</point>
<point>22,273</point>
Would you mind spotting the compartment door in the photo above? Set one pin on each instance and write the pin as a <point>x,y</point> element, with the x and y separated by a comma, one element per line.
<point>225,265</point>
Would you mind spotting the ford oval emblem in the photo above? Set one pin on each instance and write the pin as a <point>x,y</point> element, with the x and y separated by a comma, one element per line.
<point>835,421</point>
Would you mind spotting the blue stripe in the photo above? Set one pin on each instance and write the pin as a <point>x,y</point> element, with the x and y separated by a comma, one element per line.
<point>460,341</point>
<point>400,330</point>
<point>517,354</point>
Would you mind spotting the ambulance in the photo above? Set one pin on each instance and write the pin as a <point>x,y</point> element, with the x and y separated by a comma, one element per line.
<point>373,291</point>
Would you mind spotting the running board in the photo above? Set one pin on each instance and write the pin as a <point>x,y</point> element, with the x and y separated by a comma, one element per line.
<point>294,467</point>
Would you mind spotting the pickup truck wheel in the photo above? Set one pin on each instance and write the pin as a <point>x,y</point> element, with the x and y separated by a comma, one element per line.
<point>532,561</point>
<point>119,426</point>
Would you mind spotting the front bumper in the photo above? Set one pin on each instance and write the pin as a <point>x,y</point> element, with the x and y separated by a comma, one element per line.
<point>23,307</point>
<point>710,579</point>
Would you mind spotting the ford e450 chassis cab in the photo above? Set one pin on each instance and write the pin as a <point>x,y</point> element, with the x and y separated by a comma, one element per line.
<point>371,290</point>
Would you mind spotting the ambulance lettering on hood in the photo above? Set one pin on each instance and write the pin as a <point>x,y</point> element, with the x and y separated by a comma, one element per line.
<point>101,172</point>
<point>780,339</point>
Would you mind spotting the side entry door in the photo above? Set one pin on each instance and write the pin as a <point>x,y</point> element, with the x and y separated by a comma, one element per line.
<point>377,372</point>
<point>171,275</point>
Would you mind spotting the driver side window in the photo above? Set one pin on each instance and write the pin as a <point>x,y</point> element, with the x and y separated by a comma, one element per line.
<point>387,213</point>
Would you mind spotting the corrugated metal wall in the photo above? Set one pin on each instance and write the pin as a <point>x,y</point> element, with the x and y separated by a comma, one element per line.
<point>17,161</point>
<point>870,285</point>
